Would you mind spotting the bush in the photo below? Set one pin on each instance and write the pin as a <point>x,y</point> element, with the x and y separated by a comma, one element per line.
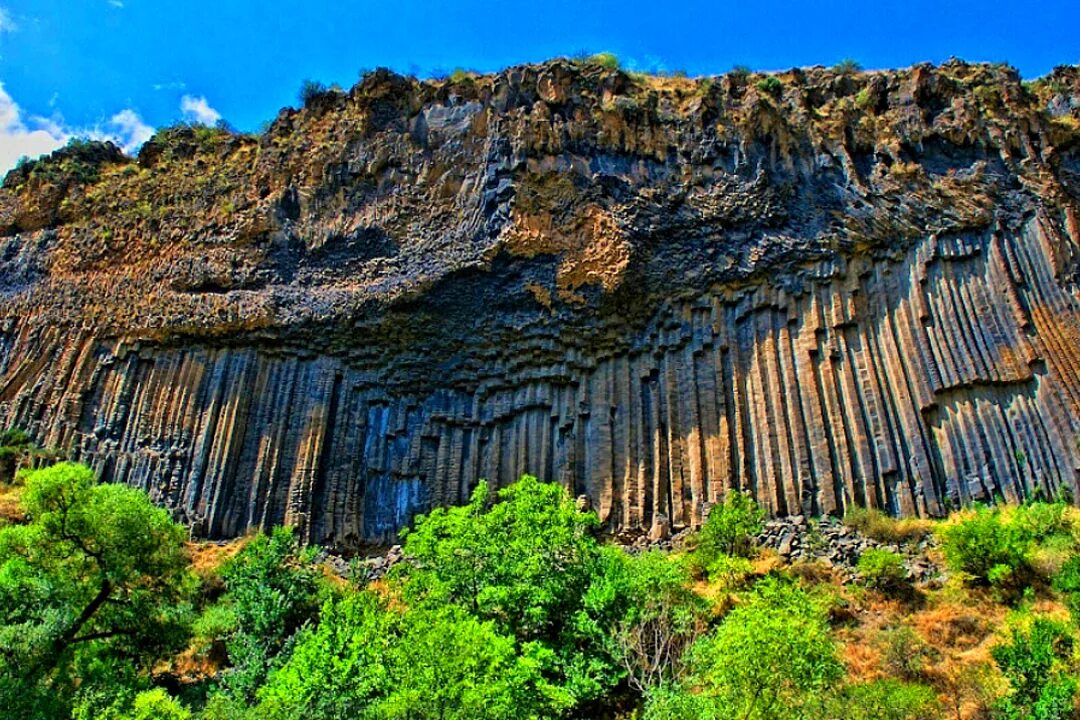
<point>605,60</point>
<point>663,619</point>
<point>460,75</point>
<point>1042,521</point>
<point>368,661</point>
<point>730,572</point>
<point>1035,661</point>
<point>1067,582</point>
<point>770,659</point>
<point>987,547</point>
<point>272,590</point>
<point>310,91</point>
<point>770,85</point>
<point>15,447</point>
<point>882,570</point>
<point>531,565</point>
<point>847,66</point>
<point>886,700</point>
<point>730,528</point>
<point>739,73</point>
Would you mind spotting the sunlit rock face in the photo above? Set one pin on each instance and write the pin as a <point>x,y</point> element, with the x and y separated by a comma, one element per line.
<point>856,289</point>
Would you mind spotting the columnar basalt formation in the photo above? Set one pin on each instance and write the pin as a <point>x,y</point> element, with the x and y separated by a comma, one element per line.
<point>861,289</point>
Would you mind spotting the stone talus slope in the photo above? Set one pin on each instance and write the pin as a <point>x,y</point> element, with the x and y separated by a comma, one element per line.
<point>859,290</point>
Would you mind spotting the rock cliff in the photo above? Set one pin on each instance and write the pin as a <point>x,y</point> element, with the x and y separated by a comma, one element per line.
<point>827,288</point>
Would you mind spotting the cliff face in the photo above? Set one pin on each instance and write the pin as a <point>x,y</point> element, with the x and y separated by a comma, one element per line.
<point>845,289</point>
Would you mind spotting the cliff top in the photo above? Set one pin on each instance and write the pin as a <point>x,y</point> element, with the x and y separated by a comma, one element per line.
<point>594,177</point>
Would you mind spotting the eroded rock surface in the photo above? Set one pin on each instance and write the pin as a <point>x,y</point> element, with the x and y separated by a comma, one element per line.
<point>861,289</point>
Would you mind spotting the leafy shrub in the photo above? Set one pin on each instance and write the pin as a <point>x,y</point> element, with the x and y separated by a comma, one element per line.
<point>885,700</point>
<point>15,445</point>
<point>847,66</point>
<point>272,590</point>
<point>730,528</point>
<point>528,563</point>
<point>214,626</point>
<point>730,572</point>
<point>1067,582</point>
<point>663,619</point>
<point>882,570</point>
<point>1042,520</point>
<point>605,60</point>
<point>155,704</point>
<point>986,547</point>
<point>771,658</point>
<point>1034,660</point>
<point>864,99</point>
<point>368,661</point>
<point>770,85</point>
<point>739,73</point>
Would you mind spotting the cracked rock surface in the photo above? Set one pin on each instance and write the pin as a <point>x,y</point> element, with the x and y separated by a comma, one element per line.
<point>859,290</point>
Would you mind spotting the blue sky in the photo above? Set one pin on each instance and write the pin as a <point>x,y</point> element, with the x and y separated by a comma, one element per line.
<point>119,68</point>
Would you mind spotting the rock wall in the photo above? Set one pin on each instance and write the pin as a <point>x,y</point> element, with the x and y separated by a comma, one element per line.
<point>911,374</point>
<point>943,376</point>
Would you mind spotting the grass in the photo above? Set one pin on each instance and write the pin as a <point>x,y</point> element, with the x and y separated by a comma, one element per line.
<point>878,526</point>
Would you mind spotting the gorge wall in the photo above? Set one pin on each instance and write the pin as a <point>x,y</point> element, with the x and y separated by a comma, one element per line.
<point>845,288</point>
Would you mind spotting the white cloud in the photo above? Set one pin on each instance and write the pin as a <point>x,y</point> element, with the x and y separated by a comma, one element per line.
<point>175,85</point>
<point>133,131</point>
<point>117,4</point>
<point>31,136</point>
<point>196,109</point>
<point>6,23</point>
<point>16,139</point>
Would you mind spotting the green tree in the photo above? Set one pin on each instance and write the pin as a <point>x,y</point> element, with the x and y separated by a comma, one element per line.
<point>272,590</point>
<point>605,60</point>
<point>447,665</point>
<point>847,66</point>
<point>93,589</point>
<point>770,85</point>
<point>525,563</point>
<point>663,618</point>
<point>771,659</point>
<point>1034,660</point>
<point>729,529</point>
<point>155,704</point>
<point>366,660</point>
<point>337,667</point>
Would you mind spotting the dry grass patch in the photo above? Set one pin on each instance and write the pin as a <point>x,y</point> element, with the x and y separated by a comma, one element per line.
<point>207,558</point>
<point>10,510</point>
<point>876,525</point>
<point>950,626</point>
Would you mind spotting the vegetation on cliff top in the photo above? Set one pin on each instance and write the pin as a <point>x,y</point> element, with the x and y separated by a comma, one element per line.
<point>229,198</point>
<point>511,607</point>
